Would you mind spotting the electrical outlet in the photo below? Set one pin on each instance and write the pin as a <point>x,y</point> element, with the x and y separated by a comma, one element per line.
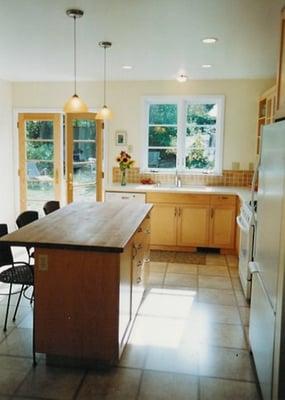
<point>43,262</point>
<point>235,165</point>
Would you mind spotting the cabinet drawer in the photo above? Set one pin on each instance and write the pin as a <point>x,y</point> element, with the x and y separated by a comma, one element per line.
<point>177,198</point>
<point>223,200</point>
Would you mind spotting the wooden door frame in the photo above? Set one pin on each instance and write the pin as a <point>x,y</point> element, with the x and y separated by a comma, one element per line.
<point>69,118</point>
<point>22,171</point>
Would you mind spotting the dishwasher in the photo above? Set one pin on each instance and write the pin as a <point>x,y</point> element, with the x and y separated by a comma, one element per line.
<point>124,196</point>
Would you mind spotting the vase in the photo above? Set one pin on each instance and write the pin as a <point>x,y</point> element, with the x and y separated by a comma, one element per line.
<point>123,178</point>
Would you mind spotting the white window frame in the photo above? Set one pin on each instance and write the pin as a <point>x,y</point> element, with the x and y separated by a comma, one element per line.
<point>182,102</point>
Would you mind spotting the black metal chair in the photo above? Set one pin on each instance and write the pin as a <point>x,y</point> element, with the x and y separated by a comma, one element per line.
<point>51,206</point>
<point>15,273</point>
<point>26,218</point>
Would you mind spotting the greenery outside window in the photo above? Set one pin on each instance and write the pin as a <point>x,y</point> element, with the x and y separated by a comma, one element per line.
<point>184,133</point>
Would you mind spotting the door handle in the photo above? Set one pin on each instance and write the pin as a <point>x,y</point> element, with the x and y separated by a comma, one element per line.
<point>212,212</point>
<point>179,212</point>
<point>175,212</point>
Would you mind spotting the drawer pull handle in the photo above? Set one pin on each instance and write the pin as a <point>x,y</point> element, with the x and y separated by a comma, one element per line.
<point>124,198</point>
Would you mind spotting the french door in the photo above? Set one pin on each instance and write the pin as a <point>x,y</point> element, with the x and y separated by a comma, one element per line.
<point>52,167</point>
<point>83,146</point>
<point>39,159</point>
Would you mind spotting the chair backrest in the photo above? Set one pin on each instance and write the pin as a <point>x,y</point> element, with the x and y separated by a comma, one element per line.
<point>6,257</point>
<point>26,218</point>
<point>51,206</point>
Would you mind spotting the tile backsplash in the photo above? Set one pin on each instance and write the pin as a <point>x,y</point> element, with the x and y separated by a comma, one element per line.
<point>228,178</point>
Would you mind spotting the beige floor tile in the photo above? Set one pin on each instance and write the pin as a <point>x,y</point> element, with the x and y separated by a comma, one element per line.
<point>215,313</point>
<point>222,389</point>
<point>51,382</point>
<point>213,270</point>
<point>18,343</point>
<point>155,279</point>
<point>241,300</point>
<point>13,371</point>
<point>215,259</point>
<point>225,363</point>
<point>157,266</point>
<point>167,303</point>
<point>168,386</point>
<point>217,296</point>
<point>134,356</point>
<point>182,268</point>
<point>177,359</point>
<point>232,261</point>
<point>222,335</point>
<point>116,384</point>
<point>244,315</point>
<point>214,282</point>
<point>187,280</point>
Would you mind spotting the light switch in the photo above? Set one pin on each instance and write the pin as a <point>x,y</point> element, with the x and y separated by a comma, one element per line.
<point>43,262</point>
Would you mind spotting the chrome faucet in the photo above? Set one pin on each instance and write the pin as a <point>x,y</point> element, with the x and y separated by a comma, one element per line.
<point>177,180</point>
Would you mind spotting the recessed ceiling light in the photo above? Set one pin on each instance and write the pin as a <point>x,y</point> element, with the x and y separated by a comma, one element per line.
<point>127,67</point>
<point>209,40</point>
<point>207,66</point>
<point>182,78</point>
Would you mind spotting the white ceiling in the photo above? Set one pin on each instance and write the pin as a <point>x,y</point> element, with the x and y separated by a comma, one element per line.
<point>160,38</point>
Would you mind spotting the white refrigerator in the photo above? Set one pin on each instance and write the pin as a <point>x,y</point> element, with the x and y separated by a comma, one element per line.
<point>267,313</point>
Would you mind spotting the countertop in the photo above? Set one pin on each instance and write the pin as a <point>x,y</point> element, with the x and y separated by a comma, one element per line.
<point>244,193</point>
<point>106,227</point>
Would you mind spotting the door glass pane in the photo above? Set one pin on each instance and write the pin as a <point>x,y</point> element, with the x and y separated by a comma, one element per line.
<point>84,160</point>
<point>39,158</point>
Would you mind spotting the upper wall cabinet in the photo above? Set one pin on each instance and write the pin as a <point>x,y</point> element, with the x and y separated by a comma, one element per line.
<point>266,111</point>
<point>280,107</point>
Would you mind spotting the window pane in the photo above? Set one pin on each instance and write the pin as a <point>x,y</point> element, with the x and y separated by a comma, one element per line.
<point>84,151</point>
<point>162,136</point>
<point>40,171</point>
<point>162,158</point>
<point>40,150</point>
<point>39,130</point>
<point>162,114</point>
<point>201,114</point>
<point>84,130</point>
<point>200,151</point>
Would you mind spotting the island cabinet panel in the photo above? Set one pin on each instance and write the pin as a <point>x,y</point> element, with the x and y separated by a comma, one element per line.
<point>222,227</point>
<point>76,304</point>
<point>193,226</point>
<point>163,225</point>
<point>125,292</point>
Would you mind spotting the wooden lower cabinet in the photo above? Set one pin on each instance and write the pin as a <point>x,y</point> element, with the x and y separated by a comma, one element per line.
<point>193,225</point>
<point>186,220</point>
<point>163,225</point>
<point>86,301</point>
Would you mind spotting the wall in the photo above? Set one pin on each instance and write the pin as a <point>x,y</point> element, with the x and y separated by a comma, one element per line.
<point>124,98</point>
<point>7,209</point>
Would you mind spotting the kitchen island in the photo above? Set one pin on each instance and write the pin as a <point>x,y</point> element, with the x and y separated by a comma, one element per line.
<point>91,263</point>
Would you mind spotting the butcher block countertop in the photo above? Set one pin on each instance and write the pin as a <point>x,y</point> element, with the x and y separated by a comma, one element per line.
<point>106,227</point>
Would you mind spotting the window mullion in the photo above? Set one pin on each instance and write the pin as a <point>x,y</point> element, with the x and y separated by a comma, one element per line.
<point>180,135</point>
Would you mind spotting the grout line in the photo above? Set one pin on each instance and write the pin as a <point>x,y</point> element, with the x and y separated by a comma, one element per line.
<point>139,385</point>
<point>74,397</point>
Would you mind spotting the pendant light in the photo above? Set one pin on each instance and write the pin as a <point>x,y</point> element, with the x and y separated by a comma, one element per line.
<point>74,104</point>
<point>105,112</point>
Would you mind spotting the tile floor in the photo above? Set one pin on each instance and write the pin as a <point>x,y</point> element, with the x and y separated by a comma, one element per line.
<point>189,342</point>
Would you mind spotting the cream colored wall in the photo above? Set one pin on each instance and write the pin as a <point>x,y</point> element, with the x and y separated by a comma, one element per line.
<point>125,99</point>
<point>7,209</point>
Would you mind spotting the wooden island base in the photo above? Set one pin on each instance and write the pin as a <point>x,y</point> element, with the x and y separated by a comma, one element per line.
<point>91,265</point>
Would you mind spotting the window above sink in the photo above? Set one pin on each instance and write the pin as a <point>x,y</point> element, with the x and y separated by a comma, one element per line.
<point>183,133</point>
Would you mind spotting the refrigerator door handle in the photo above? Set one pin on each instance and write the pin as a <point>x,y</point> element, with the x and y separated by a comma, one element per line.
<point>241,225</point>
<point>253,267</point>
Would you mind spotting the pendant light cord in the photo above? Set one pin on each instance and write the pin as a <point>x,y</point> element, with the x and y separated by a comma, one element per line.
<point>104,76</point>
<point>74,53</point>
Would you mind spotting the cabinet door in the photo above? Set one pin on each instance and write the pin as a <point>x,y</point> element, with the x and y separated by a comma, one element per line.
<point>222,227</point>
<point>193,226</point>
<point>163,225</point>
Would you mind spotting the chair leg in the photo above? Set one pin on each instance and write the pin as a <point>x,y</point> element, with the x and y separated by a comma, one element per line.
<point>7,309</point>
<point>34,339</point>
<point>32,297</point>
<point>18,302</point>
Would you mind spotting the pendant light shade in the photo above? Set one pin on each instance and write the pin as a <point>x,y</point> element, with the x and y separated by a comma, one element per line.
<point>105,112</point>
<point>74,104</point>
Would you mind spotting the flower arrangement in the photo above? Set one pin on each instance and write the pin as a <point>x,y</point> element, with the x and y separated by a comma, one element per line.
<point>125,162</point>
